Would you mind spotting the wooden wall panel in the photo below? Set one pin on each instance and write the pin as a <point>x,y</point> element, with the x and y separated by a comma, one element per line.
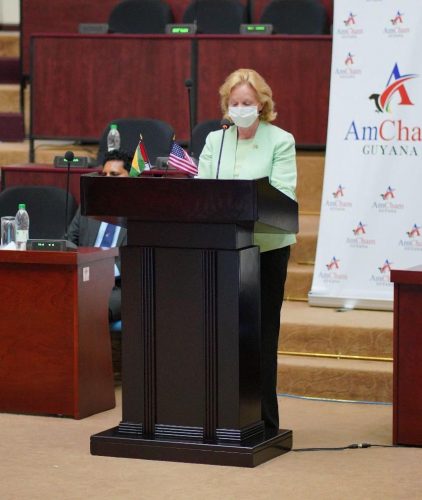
<point>58,16</point>
<point>296,68</point>
<point>119,76</point>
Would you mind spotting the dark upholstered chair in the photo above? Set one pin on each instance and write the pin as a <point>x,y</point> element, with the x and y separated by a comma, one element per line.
<point>157,136</point>
<point>216,16</point>
<point>296,17</point>
<point>45,206</point>
<point>140,16</point>
<point>199,135</point>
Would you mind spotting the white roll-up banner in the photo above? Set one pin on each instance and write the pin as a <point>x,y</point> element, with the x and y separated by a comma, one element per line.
<point>371,212</point>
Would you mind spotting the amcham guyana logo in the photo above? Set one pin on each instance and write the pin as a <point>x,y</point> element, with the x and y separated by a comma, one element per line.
<point>397,19</point>
<point>359,229</point>
<point>388,194</point>
<point>386,267</point>
<point>360,237</point>
<point>414,231</point>
<point>389,203</point>
<point>333,264</point>
<point>332,272</point>
<point>350,27</point>
<point>413,239</point>
<point>337,201</point>
<point>396,85</point>
<point>382,278</point>
<point>396,25</point>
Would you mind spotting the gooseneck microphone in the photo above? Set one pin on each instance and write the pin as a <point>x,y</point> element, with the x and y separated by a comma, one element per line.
<point>69,158</point>
<point>225,124</point>
<point>188,85</point>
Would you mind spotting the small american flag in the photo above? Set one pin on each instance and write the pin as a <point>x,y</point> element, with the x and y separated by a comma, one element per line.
<point>181,160</point>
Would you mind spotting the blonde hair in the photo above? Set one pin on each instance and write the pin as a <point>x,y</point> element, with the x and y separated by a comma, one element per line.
<point>259,85</point>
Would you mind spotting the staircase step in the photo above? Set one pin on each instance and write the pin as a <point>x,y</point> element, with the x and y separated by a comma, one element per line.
<point>310,176</point>
<point>46,151</point>
<point>9,44</point>
<point>11,127</point>
<point>9,98</point>
<point>14,153</point>
<point>321,330</point>
<point>305,249</point>
<point>343,379</point>
<point>298,282</point>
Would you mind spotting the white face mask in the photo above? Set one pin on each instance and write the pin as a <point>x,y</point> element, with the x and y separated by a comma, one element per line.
<point>243,116</point>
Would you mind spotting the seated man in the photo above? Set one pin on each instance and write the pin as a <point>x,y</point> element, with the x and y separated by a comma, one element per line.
<point>88,232</point>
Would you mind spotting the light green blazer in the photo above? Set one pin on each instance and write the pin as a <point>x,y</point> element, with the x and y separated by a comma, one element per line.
<point>272,155</point>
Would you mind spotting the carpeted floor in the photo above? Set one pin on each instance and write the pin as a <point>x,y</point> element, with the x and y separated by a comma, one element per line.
<point>48,458</point>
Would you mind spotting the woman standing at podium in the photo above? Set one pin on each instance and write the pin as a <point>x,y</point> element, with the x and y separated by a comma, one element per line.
<point>251,149</point>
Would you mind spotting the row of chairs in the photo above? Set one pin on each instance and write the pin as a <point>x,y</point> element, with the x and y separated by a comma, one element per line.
<point>219,16</point>
<point>157,136</point>
<point>46,204</point>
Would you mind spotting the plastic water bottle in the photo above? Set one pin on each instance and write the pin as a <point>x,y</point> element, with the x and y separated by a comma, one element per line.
<point>22,227</point>
<point>113,138</point>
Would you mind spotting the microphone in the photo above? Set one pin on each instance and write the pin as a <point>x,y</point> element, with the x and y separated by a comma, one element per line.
<point>69,158</point>
<point>188,85</point>
<point>225,124</point>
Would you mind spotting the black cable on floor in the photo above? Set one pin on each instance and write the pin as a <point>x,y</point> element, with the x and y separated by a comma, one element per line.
<point>355,446</point>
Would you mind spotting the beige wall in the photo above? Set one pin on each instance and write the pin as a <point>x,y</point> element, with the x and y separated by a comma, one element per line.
<point>9,12</point>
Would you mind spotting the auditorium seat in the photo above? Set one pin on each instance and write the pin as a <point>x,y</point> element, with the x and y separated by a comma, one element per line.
<point>45,206</point>
<point>157,136</point>
<point>296,17</point>
<point>199,135</point>
<point>216,16</point>
<point>140,16</point>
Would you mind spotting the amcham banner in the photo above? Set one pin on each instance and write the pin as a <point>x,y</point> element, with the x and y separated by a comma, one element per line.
<point>371,213</point>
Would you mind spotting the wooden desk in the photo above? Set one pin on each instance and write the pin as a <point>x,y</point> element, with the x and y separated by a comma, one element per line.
<point>407,387</point>
<point>44,175</point>
<point>60,16</point>
<point>54,338</point>
<point>154,86</point>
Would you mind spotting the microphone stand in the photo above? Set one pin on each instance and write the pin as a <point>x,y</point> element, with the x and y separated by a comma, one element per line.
<point>69,158</point>
<point>225,124</point>
<point>188,85</point>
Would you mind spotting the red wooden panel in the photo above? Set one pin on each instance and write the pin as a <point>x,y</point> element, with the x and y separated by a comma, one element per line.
<point>47,175</point>
<point>118,76</point>
<point>55,344</point>
<point>296,67</point>
<point>58,16</point>
<point>407,402</point>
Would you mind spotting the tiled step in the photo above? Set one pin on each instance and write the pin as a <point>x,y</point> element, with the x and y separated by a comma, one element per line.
<point>299,281</point>
<point>303,252</point>
<point>310,175</point>
<point>9,98</point>
<point>12,153</point>
<point>9,44</point>
<point>321,330</point>
<point>343,379</point>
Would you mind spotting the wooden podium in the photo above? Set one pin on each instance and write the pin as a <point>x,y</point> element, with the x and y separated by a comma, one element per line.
<point>407,388</point>
<point>191,317</point>
<point>55,340</point>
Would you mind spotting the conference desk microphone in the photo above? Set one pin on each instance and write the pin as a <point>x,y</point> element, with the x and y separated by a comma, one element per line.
<point>69,155</point>
<point>225,124</point>
<point>188,85</point>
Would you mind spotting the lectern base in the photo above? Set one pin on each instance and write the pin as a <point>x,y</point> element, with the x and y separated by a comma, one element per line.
<point>112,444</point>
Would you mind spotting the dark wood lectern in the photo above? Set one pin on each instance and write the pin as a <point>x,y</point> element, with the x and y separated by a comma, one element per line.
<point>55,341</point>
<point>191,317</point>
<point>407,388</point>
